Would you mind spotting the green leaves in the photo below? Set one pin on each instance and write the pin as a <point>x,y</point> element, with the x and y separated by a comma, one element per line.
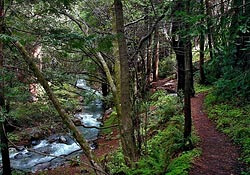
<point>105,43</point>
<point>182,164</point>
<point>7,38</point>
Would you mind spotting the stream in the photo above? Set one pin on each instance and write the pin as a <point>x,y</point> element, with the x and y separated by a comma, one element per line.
<point>58,144</point>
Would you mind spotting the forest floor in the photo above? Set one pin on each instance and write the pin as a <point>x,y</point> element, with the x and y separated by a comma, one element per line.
<point>219,155</point>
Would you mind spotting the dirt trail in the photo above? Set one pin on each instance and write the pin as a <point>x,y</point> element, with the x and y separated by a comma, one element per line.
<point>219,155</point>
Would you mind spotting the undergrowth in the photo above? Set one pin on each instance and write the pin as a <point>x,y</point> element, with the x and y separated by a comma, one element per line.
<point>199,88</point>
<point>112,120</point>
<point>164,151</point>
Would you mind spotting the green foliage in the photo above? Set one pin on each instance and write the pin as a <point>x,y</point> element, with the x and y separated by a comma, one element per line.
<point>68,96</point>
<point>162,149</point>
<point>166,105</point>
<point>26,113</point>
<point>7,38</point>
<point>232,120</point>
<point>117,164</point>
<point>108,100</point>
<point>166,66</point>
<point>181,164</point>
<point>16,172</point>
<point>229,69</point>
<point>19,92</point>
<point>112,120</point>
<point>233,84</point>
<point>164,146</point>
<point>13,137</point>
<point>199,88</point>
<point>237,86</point>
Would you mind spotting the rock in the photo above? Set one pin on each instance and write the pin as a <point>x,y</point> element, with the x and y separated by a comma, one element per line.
<point>77,121</point>
<point>70,141</point>
<point>46,149</point>
<point>93,145</point>
<point>53,138</point>
<point>99,119</point>
<point>36,133</point>
<point>62,139</point>
<point>12,150</point>
<point>109,111</point>
<point>42,166</point>
<point>18,156</point>
<point>35,142</point>
<point>84,171</point>
<point>21,148</point>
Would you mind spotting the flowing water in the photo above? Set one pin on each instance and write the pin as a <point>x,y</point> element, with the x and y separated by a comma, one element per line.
<point>60,145</point>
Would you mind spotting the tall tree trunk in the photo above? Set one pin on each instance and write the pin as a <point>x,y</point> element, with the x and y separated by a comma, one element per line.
<point>178,47</point>
<point>149,60</point>
<point>147,51</point>
<point>156,55</point>
<point>180,58</point>
<point>202,47</point>
<point>202,55</point>
<point>188,77</point>
<point>66,119</point>
<point>187,103</point>
<point>104,89</point>
<point>191,89</point>
<point>209,28</point>
<point>127,132</point>
<point>4,145</point>
<point>3,133</point>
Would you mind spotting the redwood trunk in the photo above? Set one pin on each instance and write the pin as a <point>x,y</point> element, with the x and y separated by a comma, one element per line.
<point>188,78</point>
<point>3,133</point>
<point>127,130</point>
<point>178,47</point>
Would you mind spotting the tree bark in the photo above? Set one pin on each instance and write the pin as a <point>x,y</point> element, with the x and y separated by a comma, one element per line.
<point>66,119</point>
<point>209,28</point>
<point>191,89</point>
<point>3,132</point>
<point>188,77</point>
<point>127,132</point>
<point>104,89</point>
<point>178,47</point>
<point>149,60</point>
<point>202,48</point>
<point>187,95</point>
<point>156,55</point>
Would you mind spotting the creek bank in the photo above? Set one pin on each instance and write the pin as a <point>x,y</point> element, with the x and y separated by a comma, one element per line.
<point>34,155</point>
<point>106,143</point>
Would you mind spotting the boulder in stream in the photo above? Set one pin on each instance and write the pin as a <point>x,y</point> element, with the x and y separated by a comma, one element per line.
<point>62,139</point>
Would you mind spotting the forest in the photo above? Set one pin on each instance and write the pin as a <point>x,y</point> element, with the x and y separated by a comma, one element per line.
<point>125,87</point>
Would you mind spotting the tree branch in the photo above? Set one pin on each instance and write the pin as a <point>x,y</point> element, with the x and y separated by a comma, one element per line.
<point>134,22</point>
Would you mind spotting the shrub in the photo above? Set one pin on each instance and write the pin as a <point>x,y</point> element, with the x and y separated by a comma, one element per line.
<point>166,67</point>
<point>165,145</point>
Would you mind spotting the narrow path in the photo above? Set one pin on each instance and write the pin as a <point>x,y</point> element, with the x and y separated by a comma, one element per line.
<point>219,155</point>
